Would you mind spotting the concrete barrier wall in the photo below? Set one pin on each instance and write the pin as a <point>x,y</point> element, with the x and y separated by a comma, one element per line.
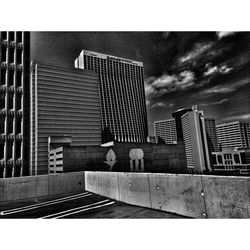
<point>40,185</point>
<point>189,195</point>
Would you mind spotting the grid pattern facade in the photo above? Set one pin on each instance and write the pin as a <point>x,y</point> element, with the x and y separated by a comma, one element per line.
<point>123,106</point>
<point>233,134</point>
<point>195,140</point>
<point>186,128</point>
<point>166,130</point>
<point>63,102</point>
<point>211,135</point>
<point>14,95</point>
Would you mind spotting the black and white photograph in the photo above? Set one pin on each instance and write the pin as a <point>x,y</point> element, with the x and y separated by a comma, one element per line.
<point>124,125</point>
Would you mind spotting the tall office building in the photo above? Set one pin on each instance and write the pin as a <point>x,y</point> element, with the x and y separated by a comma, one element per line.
<point>166,130</point>
<point>177,116</point>
<point>211,136</point>
<point>64,102</point>
<point>195,140</point>
<point>14,103</point>
<point>123,106</point>
<point>233,134</point>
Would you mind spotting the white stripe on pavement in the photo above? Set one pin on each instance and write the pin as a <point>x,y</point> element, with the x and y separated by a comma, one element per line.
<point>79,211</point>
<point>73,209</point>
<point>43,204</point>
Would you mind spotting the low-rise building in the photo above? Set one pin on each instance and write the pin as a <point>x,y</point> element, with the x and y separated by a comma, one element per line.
<point>232,160</point>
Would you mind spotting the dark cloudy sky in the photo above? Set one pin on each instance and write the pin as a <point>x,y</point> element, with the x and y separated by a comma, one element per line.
<point>210,69</point>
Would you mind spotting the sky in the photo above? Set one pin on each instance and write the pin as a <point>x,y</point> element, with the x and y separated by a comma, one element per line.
<point>181,69</point>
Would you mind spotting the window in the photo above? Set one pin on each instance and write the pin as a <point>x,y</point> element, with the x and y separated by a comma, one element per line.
<point>237,158</point>
<point>10,125</point>
<point>19,37</point>
<point>11,101</point>
<point>1,151</point>
<point>19,56</point>
<point>12,36</point>
<point>2,101</point>
<point>19,102</point>
<point>4,35</point>
<point>18,149</point>
<point>11,77</point>
<point>9,151</point>
<point>3,76</point>
<point>219,159</point>
<point>2,125</point>
<point>19,79</point>
<point>11,55</point>
<point>243,158</point>
<point>4,53</point>
<point>19,125</point>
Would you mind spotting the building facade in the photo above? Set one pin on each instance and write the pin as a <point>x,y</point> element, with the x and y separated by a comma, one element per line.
<point>14,103</point>
<point>233,134</point>
<point>166,130</point>
<point>211,137</point>
<point>123,106</point>
<point>232,161</point>
<point>195,140</point>
<point>64,103</point>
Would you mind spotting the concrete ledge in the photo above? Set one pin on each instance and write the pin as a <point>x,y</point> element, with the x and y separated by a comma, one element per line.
<point>41,185</point>
<point>189,195</point>
<point>179,194</point>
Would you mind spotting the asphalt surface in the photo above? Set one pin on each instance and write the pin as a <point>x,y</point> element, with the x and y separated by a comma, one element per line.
<point>79,205</point>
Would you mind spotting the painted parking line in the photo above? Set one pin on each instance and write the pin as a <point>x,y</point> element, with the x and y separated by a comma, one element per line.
<point>82,210</point>
<point>74,210</point>
<point>43,204</point>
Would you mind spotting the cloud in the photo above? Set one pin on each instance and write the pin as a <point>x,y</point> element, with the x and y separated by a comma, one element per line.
<point>238,117</point>
<point>219,89</point>
<point>214,103</point>
<point>198,50</point>
<point>162,105</point>
<point>224,69</point>
<point>221,34</point>
<point>158,86</point>
<point>233,86</point>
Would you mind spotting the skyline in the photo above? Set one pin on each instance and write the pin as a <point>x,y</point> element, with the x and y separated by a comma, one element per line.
<point>180,68</point>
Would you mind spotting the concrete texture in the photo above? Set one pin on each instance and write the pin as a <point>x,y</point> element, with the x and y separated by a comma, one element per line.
<point>91,182</point>
<point>179,194</point>
<point>66,183</point>
<point>227,196</point>
<point>108,185</point>
<point>188,195</point>
<point>40,185</point>
<point>133,189</point>
<point>25,187</point>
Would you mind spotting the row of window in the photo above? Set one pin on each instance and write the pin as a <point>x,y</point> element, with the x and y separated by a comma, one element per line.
<point>11,75</point>
<point>12,36</point>
<point>10,150</point>
<point>238,158</point>
<point>11,55</point>
<point>11,125</point>
<point>11,101</point>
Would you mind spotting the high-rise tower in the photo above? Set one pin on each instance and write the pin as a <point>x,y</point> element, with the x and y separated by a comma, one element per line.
<point>14,103</point>
<point>122,94</point>
<point>195,140</point>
